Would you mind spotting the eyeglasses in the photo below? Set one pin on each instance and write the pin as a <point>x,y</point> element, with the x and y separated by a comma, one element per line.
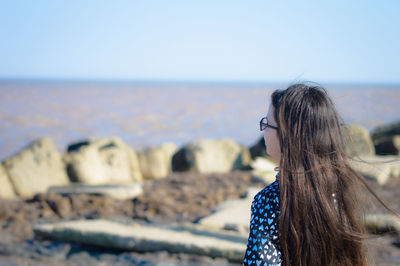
<point>264,124</point>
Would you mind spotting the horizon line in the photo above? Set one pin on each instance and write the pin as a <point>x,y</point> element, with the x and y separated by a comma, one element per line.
<point>177,81</point>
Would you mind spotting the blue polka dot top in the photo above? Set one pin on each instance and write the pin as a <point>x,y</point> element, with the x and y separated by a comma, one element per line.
<point>263,246</point>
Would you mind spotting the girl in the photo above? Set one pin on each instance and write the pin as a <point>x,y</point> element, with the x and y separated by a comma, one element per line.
<point>311,214</point>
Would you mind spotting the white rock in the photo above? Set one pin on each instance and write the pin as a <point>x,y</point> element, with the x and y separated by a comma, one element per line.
<point>104,161</point>
<point>263,170</point>
<point>155,162</point>
<point>211,156</point>
<point>379,168</point>
<point>358,141</point>
<point>263,164</point>
<point>238,208</point>
<point>36,168</point>
<point>382,222</point>
<point>6,189</point>
<point>146,238</point>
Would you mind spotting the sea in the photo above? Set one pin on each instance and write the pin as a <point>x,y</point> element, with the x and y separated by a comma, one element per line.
<point>149,113</point>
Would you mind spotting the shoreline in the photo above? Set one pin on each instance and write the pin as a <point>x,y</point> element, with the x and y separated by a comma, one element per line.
<point>145,117</point>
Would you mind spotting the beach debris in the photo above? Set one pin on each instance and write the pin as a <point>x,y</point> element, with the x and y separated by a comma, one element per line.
<point>36,168</point>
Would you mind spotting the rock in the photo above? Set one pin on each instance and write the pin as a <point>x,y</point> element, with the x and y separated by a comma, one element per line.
<point>382,223</point>
<point>358,141</point>
<point>244,159</point>
<point>136,174</point>
<point>377,168</point>
<point>211,156</point>
<point>265,177</point>
<point>120,192</point>
<point>103,161</point>
<point>85,166</point>
<point>239,208</point>
<point>77,145</point>
<point>378,173</point>
<point>388,145</point>
<point>109,153</point>
<point>36,168</point>
<point>133,162</point>
<point>6,189</point>
<point>146,238</point>
<point>263,164</point>
<point>386,130</point>
<point>258,149</point>
<point>263,170</point>
<point>387,139</point>
<point>156,162</point>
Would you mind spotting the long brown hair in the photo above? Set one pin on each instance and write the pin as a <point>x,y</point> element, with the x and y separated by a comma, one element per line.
<point>321,222</point>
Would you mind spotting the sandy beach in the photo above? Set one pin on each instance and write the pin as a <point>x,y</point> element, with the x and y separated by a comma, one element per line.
<point>192,199</point>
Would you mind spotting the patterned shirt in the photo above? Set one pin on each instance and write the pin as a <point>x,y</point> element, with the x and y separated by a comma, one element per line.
<point>263,246</point>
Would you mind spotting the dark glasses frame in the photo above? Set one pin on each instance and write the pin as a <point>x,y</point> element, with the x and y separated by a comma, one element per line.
<point>264,124</point>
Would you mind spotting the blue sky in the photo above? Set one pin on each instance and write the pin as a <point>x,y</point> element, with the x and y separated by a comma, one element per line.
<point>323,41</point>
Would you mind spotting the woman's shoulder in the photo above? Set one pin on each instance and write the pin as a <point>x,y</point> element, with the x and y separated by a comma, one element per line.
<point>263,243</point>
<point>269,194</point>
